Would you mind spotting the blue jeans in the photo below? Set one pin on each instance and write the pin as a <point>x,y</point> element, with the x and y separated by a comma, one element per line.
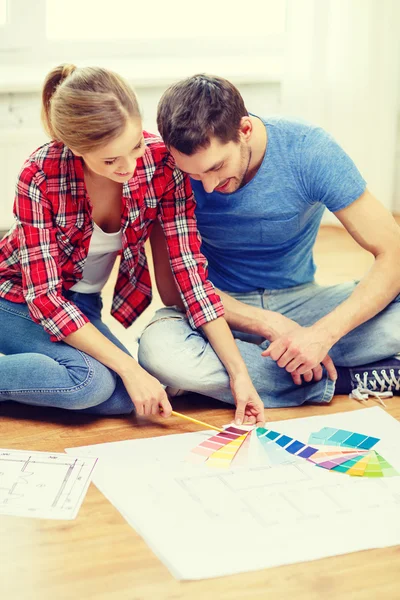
<point>39,372</point>
<point>182,358</point>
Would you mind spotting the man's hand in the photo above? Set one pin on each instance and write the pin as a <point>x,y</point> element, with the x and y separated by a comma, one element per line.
<point>279,327</point>
<point>269,325</point>
<point>301,350</point>
<point>249,408</point>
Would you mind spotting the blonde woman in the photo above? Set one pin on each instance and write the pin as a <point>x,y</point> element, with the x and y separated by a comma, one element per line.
<point>91,193</point>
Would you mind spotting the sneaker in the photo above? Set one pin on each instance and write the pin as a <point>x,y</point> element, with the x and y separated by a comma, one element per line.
<point>378,380</point>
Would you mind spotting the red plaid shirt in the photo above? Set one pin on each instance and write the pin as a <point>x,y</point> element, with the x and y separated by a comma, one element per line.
<point>45,251</point>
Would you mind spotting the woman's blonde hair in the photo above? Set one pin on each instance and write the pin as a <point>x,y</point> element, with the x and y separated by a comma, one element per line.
<point>86,108</point>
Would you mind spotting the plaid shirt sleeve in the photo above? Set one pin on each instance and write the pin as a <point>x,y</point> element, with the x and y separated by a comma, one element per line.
<point>189,266</point>
<point>38,255</point>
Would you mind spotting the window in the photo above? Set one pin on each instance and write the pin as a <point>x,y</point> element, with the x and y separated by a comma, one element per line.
<point>157,40</point>
<point>51,30</point>
<point>84,21</point>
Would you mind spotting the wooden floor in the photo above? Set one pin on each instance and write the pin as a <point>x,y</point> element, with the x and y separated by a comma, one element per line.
<point>100,556</point>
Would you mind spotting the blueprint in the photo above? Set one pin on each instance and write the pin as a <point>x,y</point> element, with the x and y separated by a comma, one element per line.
<point>205,523</point>
<point>43,485</point>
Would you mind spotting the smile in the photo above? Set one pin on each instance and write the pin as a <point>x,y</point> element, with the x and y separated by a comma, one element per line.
<point>221,188</point>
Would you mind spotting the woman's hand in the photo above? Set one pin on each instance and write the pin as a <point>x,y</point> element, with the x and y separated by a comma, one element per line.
<point>249,408</point>
<point>147,393</point>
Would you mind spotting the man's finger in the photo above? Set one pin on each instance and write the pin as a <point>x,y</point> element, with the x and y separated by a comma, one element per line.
<point>317,373</point>
<point>330,367</point>
<point>308,376</point>
<point>294,364</point>
<point>296,378</point>
<point>275,350</point>
<point>288,357</point>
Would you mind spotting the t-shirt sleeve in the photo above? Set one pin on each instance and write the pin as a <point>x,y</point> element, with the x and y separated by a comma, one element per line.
<point>328,174</point>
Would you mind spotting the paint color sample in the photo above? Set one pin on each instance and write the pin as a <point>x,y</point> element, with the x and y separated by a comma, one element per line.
<point>297,448</point>
<point>214,443</point>
<point>339,460</point>
<point>275,454</point>
<point>342,437</point>
<point>241,458</point>
<point>284,440</point>
<point>322,456</point>
<point>387,469</point>
<point>359,468</point>
<point>337,450</point>
<point>307,452</point>
<point>222,458</point>
<point>371,465</point>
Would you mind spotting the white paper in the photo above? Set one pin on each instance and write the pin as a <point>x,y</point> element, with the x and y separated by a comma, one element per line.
<point>43,485</point>
<point>206,523</point>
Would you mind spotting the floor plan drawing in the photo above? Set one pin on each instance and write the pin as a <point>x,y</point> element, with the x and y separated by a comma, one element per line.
<point>39,484</point>
<point>274,508</point>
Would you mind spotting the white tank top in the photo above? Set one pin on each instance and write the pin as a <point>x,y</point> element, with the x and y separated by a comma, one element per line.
<point>103,250</point>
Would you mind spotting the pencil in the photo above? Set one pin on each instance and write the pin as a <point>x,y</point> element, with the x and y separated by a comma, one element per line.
<point>177,414</point>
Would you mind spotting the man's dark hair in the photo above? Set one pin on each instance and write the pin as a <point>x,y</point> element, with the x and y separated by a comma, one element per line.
<point>191,111</point>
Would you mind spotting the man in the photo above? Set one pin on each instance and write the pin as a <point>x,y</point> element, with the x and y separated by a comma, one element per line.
<point>261,187</point>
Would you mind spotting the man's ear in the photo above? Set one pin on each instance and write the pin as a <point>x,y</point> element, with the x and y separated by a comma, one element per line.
<point>245,128</point>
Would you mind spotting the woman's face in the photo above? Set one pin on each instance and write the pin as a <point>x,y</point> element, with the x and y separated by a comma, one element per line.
<point>117,159</point>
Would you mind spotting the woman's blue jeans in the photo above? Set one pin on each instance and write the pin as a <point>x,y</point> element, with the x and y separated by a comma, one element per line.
<point>39,372</point>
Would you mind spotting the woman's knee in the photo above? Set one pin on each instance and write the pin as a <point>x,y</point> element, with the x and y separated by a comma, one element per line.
<point>92,387</point>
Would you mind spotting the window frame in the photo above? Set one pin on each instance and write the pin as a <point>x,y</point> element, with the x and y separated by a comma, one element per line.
<point>23,42</point>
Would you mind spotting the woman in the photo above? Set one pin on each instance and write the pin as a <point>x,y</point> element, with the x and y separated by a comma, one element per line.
<point>91,193</point>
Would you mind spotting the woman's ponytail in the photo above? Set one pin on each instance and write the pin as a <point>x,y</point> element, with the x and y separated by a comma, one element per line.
<point>51,83</point>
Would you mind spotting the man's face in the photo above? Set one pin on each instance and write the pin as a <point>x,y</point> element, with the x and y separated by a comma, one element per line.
<point>220,167</point>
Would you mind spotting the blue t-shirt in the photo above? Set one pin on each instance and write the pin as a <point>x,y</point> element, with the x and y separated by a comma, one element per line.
<point>262,235</point>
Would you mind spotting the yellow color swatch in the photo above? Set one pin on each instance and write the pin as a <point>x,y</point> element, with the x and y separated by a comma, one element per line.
<point>222,458</point>
<point>360,466</point>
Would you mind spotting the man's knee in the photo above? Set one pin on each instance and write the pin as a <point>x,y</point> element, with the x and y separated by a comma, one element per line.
<point>167,346</point>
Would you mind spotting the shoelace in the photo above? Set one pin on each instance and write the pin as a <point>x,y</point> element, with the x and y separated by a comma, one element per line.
<point>369,387</point>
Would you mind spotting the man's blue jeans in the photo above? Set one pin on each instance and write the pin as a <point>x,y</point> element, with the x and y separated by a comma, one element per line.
<point>39,372</point>
<point>182,358</point>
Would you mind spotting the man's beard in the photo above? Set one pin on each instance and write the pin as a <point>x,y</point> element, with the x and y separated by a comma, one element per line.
<point>245,154</point>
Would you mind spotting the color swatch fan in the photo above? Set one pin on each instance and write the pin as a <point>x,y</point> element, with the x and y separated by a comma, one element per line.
<point>336,450</point>
<point>220,451</point>
<point>365,462</point>
<point>333,449</point>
